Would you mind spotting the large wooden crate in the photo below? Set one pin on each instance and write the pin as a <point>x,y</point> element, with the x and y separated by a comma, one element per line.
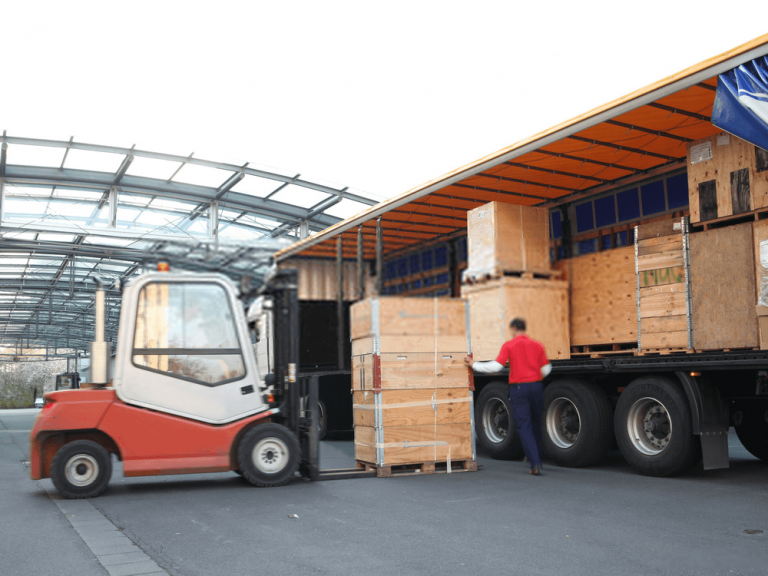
<point>726,176</point>
<point>412,398</point>
<point>723,288</point>
<point>662,285</point>
<point>603,297</point>
<point>542,303</point>
<point>414,426</point>
<point>760,231</point>
<point>506,237</point>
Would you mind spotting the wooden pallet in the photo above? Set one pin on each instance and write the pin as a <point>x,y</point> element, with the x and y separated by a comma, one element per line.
<point>620,348</point>
<point>496,273</point>
<point>420,468</point>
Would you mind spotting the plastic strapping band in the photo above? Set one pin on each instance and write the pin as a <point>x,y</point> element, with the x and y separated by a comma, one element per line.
<point>433,402</point>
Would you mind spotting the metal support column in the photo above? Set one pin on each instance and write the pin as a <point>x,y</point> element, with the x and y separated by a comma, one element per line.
<point>379,259</point>
<point>360,265</point>
<point>213,222</point>
<point>340,303</point>
<point>113,207</point>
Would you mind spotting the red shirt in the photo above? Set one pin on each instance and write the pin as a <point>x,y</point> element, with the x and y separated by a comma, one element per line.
<point>526,358</point>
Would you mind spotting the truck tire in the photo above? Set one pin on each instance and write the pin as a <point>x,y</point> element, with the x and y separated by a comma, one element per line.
<point>494,424</point>
<point>268,455</point>
<point>578,422</point>
<point>751,425</point>
<point>81,469</point>
<point>653,427</point>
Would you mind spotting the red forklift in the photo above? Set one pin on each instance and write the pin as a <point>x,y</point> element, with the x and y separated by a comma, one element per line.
<point>186,396</point>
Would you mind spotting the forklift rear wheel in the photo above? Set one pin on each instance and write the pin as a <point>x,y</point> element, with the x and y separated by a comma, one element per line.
<point>81,469</point>
<point>322,421</point>
<point>268,455</point>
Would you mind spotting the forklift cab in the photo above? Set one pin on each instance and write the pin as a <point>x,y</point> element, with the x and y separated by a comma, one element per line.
<point>67,381</point>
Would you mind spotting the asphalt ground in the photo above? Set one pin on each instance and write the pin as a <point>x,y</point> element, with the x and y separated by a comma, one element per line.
<point>603,520</point>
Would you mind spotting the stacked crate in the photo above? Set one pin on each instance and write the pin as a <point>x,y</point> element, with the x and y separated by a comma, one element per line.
<point>509,275</point>
<point>411,390</point>
<point>727,177</point>
<point>663,286</point>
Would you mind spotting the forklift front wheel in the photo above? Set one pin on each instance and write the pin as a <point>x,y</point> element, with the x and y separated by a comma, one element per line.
<point>81,469</point>
<point>268,455</point>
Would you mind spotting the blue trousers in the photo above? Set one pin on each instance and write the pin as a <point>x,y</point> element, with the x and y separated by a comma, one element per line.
<point>527,402</point>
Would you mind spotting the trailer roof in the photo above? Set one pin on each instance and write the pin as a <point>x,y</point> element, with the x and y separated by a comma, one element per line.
<point>634,137</point>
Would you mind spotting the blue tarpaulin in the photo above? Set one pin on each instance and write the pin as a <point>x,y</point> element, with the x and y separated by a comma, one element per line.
<point>741,102</point>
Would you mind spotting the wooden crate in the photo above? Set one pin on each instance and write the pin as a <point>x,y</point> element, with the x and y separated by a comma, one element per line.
<point>395,408</point>
<point>412,398</point>
<point>506,237</point>
<point>723,288</point>
<point>318,279</point>
<point>414,444</point>
<point>726,176</point>
<point>542,303</point>
<point>409,370</point>
<point>662,287</point>
<point>760,235</point>
<point>603,297</point>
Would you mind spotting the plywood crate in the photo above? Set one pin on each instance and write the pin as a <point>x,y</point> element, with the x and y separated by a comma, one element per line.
<point>506,237</point>
<point>603,297</point>
<point>726,176</point>
<point>662,285</point>
<point>723,288</point>
<point>760,234</point>
<point>412,398</point>
<point>318,279</point>
<point>413,426</point>
<point>542,303</point>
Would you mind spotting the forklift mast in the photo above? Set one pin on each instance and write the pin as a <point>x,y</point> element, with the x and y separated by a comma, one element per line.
<point>297,395</point>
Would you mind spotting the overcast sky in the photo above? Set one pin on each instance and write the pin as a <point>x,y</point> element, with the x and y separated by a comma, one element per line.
<point>377,96</point>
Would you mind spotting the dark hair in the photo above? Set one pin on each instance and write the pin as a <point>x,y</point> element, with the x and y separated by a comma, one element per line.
<point>518,324</point>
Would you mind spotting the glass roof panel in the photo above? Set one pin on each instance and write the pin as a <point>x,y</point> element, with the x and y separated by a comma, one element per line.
<point>72,209</point>
<point>105,241</point>
<point>199,226</point>
<point>300,196</point>
<point>173,204</point>
<point>14,235</point>
<point>94,195</point>
<point>255,186</point>
<point>48,237</point>
<point>25,191</point>
<point>17,207</point>
<point>8,261</point>
<point>25,155</point>
<point>345,209</point>
<point>202,175</point>
<point>93,161</point>
<point>152,168</point>
<point>151,218</point>
<point>235,232</point>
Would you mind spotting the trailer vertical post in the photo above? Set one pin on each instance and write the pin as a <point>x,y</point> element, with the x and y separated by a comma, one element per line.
<point>379,259</point>
<point>360,270</point>
<point>340,302</point>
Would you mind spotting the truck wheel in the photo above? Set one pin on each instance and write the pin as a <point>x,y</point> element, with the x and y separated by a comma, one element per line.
<point>81,469</point>
<point>268,455</point>
<point>751,425</point>
<point>494,424</point>
<point>653,427</point>
<point>578,419</point>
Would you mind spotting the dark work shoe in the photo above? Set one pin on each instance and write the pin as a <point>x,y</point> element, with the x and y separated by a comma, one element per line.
<point>536,470</point>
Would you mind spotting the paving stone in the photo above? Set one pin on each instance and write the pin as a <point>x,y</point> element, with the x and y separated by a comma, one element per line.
<point>134,568</point>
<point>123,558</point>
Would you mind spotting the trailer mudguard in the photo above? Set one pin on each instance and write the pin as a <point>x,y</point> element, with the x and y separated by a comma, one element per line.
<point>709,419</point>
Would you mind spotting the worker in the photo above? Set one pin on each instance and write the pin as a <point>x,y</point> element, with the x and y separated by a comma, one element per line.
<point>528,366</point>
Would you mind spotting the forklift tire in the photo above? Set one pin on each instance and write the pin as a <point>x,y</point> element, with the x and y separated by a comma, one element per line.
<point>81,469</point>
<point>268,455</point>
<point>494,424</point>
